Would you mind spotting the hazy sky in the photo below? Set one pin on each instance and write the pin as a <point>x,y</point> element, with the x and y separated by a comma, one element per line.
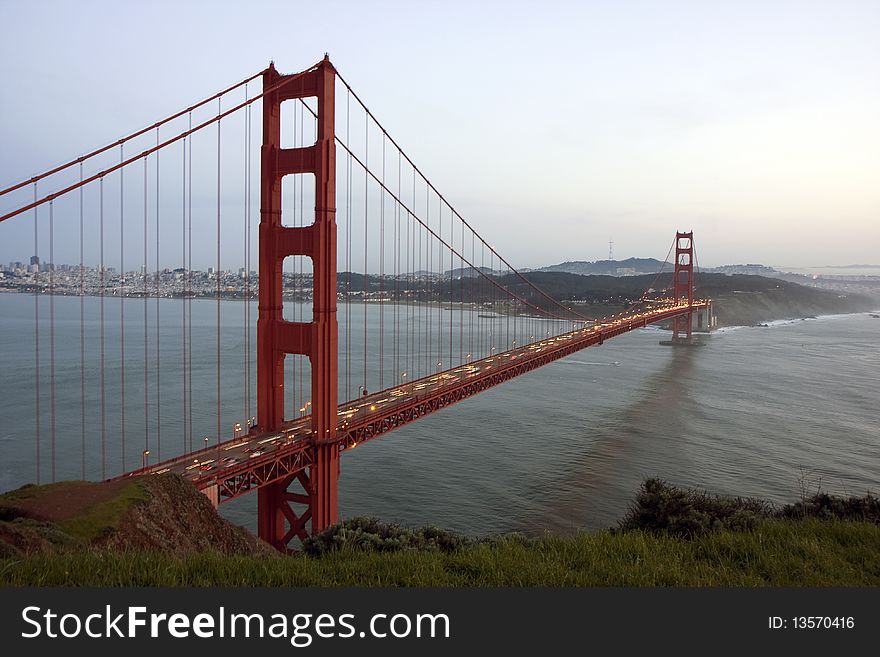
<point>551,126</point>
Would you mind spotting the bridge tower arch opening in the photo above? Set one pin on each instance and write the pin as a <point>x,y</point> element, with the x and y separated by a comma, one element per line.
<point>283,514</point>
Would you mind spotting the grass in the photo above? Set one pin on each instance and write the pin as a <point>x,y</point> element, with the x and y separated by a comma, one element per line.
<point>104,516</point>
<point>773,553</point>
<point>30,492</point>
<point>93,522</point>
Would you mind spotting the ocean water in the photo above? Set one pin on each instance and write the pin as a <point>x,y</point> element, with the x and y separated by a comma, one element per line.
<point>758,411</point>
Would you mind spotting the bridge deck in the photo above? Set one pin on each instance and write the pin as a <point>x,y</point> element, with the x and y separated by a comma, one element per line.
<point>240,465</point>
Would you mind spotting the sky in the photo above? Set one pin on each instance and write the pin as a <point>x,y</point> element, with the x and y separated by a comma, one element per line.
<point>552,127</point>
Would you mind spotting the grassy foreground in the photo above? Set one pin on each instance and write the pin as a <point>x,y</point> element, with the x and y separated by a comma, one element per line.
<point>773,553</point>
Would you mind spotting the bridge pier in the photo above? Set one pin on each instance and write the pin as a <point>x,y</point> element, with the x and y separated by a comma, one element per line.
<point>213,494</point>
<point>702,323</point>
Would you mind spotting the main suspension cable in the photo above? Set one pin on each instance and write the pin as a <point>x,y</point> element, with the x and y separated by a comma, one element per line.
<point>121,141</point>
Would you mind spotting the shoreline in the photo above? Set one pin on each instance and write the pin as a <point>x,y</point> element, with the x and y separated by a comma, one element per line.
<point>765,322</point>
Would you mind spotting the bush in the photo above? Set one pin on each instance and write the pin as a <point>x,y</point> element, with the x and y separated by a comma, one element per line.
<point>827,507</point>
<point>661,507</point>
<point>371,535</point>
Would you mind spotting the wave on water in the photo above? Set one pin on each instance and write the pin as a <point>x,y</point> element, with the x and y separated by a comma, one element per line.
<point>727,329</point>
<point>845,315</point>
<point>784,322</point>
<point>775,323</point>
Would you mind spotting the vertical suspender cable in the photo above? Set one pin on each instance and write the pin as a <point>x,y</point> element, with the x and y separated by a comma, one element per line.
<point>101,276</point>
<point>366,212</point>
<point>348,252</point>
<point>449,285</point>
<point>396,378</point>
<point>245,244</point>
<point>52,333</point>
<point>183,297</point>
<point>37,333</point>
<point>410,258</point>
<point>382,273</point>
<point>158,325</point>
<point>472,289</point>
<point>426,283</point>
<point>461,357</point>
<point>417,275</point>
<point>122,303</point>
<point>217,272</point>
<point>439,286</point>
<point>408,295</point>
<point>429,311</point>
<point>482,295</point>
<point>146,324</point>
<point>507,342</point>
<point>247,267</point>
<point>416,311</point>
<point>189,269</point>
<point>445,307</point>
<point>82,337</point>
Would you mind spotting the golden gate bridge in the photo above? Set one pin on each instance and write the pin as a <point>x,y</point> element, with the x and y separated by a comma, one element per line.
<point>454,317</point>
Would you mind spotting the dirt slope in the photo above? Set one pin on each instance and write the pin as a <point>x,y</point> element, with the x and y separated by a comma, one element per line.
<point>159,513</point>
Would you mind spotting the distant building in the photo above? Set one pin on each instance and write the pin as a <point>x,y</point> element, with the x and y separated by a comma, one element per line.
<point>35,260</point>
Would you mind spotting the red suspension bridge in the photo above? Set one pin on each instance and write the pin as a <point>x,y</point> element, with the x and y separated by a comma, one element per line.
<point>423,313</point>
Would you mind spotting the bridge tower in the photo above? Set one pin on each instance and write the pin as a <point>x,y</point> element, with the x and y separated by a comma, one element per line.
<point>683,284</point>
<point>283,514</point>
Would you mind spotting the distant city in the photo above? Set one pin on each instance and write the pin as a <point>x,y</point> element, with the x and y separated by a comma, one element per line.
<point>66,279</point>
<point>93,281</point>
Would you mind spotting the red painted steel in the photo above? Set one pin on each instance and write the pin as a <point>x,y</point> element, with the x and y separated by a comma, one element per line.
<point>683,284</point>
<point>140,156</point>
<point>317,339</point>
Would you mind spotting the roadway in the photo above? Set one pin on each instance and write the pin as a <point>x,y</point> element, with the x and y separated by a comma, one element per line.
<point>240,454</point>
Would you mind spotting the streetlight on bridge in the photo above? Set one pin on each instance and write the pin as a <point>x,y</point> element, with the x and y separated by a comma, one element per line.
<point>144,462</point>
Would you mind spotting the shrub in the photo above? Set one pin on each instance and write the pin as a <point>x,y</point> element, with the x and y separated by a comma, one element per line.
<point>661,507</point>
<point>826,507</point>
<point>371,535</point>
